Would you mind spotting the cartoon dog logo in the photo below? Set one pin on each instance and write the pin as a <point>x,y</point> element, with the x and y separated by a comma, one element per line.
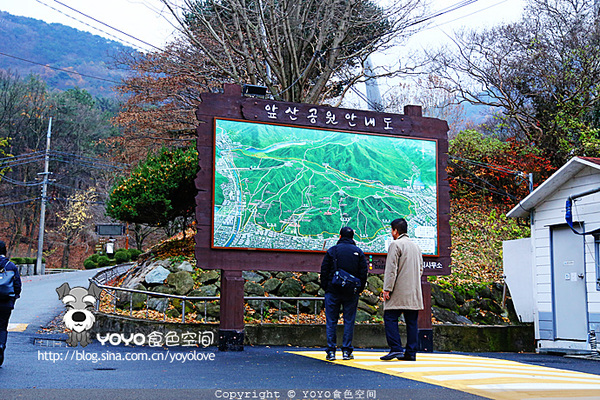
<point>79,318</point>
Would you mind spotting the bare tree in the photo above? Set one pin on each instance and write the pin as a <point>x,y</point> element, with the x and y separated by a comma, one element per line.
<point>542,71</point>
<point>302,50</point>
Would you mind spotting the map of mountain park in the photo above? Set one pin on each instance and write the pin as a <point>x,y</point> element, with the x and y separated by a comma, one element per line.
<point>291,188</point>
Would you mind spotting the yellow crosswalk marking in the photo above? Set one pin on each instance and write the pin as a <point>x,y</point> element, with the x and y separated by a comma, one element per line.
<point>486,377</point>
<point>17,327</point>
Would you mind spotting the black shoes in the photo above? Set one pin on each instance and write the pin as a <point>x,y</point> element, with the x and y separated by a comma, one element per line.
<point>346,355</point>
<point>1,355</point>
<point>391,355</point>
<point>409,357</point>
<point>330,356</point>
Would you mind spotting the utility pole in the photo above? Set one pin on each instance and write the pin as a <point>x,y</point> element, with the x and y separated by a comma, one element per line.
<point>39,269</point>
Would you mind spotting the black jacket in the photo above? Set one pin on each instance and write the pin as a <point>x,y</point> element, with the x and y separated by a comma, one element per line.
<point>10,266</point>
<point>350,258</point>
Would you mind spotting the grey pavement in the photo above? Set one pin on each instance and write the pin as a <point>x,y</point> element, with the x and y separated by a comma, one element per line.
<point>39,302</point>
<point>113,372</point>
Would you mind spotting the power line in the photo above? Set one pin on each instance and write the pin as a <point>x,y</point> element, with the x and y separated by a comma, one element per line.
<point>488,166</point>
<point>19,202</point>
<point>60,69</point>
<point>86,24</point>
<point>465,16</point>
<point>108,26</point>
<point>15,182</point>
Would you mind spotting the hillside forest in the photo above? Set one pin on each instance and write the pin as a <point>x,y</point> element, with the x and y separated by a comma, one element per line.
<point>536,77</point>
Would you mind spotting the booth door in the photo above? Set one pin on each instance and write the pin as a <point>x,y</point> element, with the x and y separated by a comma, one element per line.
<point>569,291</point>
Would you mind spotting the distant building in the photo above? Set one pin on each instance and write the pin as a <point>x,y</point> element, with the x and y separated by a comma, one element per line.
<point>554,276</point>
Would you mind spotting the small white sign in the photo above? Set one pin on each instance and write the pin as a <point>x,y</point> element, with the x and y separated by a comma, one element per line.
<point>573,276</point>
<point>425,231</point>
<point>567,277</point>
<point>426,245</point>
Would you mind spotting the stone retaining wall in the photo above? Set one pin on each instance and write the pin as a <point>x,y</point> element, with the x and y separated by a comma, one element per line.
<point>467,338</point>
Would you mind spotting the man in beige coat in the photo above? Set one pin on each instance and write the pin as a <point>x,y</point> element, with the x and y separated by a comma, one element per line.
<point>402,292</point>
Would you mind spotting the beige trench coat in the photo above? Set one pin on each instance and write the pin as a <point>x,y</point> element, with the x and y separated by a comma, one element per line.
<point>403,270</point>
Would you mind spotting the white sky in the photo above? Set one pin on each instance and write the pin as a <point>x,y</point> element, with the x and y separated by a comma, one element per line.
<point>148,20</point>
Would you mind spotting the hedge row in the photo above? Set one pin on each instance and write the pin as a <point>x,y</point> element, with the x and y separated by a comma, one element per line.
<point>26,260</point>
<point>103,260</point>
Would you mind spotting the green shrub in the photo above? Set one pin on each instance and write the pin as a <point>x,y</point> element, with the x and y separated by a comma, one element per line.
<point>122,256</point>
<point>89,264</point>
<point>30,260</point>
<point>94,257</point>
<point>134,254</point>
<point>103,261</point>
<point>18,260</point>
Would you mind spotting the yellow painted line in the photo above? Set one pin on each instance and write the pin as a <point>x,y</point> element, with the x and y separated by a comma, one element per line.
<point>485,377</point>
<point>17,327</point>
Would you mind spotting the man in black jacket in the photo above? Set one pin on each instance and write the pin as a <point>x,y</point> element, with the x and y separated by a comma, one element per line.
<point>347,256</point>
<point>7,303</point>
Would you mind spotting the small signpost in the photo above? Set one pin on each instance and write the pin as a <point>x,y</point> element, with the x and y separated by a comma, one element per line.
<point>278,180</point>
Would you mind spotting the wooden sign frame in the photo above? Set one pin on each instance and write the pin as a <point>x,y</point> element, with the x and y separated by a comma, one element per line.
<point>231,104</point>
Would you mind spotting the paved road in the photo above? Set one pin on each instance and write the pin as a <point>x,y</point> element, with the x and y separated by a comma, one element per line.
<point>110,372</point>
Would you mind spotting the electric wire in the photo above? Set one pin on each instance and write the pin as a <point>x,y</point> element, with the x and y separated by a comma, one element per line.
<point>86,24</point>
<point>60,69</point>
<point>108,26</point>
<point>19,202</point>
<point>15,182</point>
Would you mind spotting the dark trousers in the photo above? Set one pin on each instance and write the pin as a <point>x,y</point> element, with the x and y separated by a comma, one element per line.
<point>333,303</point>
<point>5,310</point>
<point>392,333</point>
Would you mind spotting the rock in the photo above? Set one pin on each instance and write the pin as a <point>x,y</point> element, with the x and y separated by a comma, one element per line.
<point>265,274</point>
<point>158,303</point>
<point>367,307</point>
<point>213,310</point>
<point>362,316</point>
<point>497,290</point>
<point>182,281</point>
<point>284,275</point>
<point>309,277</point>
<point>271,285</point>
<point>490,305</point>
<point>443,298</point>
<point>173,313</point>
<point>485,292</point>
<point>253,289</point>
<point>285,306</point>
<point>375,285</point>
<point>444,315</point>
<point>208,277</point>
<point>290,288</point>
<point>312,288</point>
<point>157,275</point>
<point>185,266</point>
<point>460,298</point>
<point>177,303</point>
<point>468,308</point>
<point>204,291</point>
<point>163,289</point>
<point>139,301</point>
<point>309,306</point>
<point>369,299</point>
<point>252,276</point>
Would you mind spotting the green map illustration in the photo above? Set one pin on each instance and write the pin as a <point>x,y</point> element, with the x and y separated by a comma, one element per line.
<point>290,188</point>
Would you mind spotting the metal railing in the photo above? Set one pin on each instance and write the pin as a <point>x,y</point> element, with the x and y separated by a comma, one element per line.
<point>111,273</point>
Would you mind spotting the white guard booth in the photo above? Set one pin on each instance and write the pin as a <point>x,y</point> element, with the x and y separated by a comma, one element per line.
<point>565,266</point>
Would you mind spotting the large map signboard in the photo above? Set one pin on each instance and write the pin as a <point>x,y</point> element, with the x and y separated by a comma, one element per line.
<point>279,187</point>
